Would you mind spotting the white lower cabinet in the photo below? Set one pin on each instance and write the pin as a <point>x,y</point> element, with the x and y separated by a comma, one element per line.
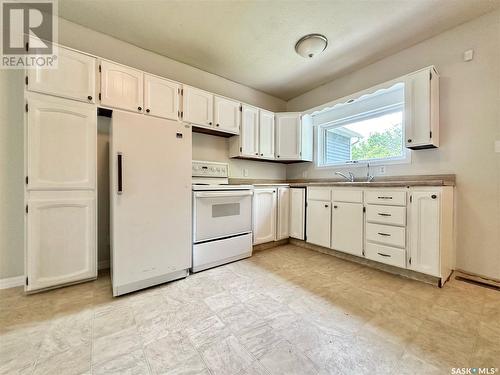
<point>319,217</point>
<point>297,213</point>
<point>347,227</point>
<point>430,231</point>
<point>264,215</point>
<point>402,227</point>
<point>283,216</point>
<point>61,238</point>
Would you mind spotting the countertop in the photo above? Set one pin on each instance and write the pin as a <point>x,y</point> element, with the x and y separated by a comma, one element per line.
<point>379,181</point>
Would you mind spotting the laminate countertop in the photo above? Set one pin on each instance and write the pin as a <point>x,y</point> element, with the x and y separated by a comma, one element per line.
<point>385,181</point>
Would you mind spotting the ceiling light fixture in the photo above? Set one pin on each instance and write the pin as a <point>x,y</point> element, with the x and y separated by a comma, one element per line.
<point>310,45</point>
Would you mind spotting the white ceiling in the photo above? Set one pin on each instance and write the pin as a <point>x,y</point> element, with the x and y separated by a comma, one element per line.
<point>252,42</point>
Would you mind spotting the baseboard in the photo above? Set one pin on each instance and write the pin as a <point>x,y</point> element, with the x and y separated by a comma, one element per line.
<point>103,264</point>
<point>477,278</point>
<point>270,245</point>
<point>12,282</point>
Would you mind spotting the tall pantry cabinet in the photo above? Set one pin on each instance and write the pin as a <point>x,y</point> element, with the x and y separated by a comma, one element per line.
<point>60,172</point>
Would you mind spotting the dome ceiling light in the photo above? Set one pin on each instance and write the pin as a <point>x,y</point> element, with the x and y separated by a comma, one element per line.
<point>310,45</point>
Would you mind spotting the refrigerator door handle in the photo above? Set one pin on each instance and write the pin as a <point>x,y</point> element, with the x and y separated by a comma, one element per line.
<point>120,173</point>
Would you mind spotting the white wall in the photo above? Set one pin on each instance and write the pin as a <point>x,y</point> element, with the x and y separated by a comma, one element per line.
<point>469,124</point>
<point>11,132</point>
<point>207,147</point>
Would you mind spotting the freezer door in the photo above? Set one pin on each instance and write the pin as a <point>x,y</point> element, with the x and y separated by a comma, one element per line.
<point>150,167</point>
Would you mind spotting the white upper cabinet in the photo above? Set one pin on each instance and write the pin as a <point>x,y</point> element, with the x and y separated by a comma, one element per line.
<point>266,134</point>
<point>198,106</point>
<point>297,213</point>
<point>161,97</point>
<point>121,87</point>
<point>422,109</point>
<point>264,215</point>
<point>61,143</point>
<point>74,77</point>
<point>424,232</point>
<point>61,240</point>
<point>288,136</point>
<point>249,135</point>
<point>283,216</point>
<point>227,114</point>
<point>294,137</point>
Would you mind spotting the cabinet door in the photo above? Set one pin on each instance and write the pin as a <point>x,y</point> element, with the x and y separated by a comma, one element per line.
<point>347,227</point>
<point>61,144</point>
<point>198,106</point>
<point>249,137</point>
<point>266,134</point>
<point>422,109</point>
<point>319,217</point>
<point>121,87</point>
<point>161,97</point>
<point>74,77</point>
<point>288,136</point>
<point>264,215</point>
<point>227,115</point>
<point>423,232</point>
<point>61,241</point>
<point>282,230</point>
<point>297,212</point>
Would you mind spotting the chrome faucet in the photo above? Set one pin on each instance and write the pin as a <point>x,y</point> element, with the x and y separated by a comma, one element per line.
<point>369,178</point>
<point>349,177</point>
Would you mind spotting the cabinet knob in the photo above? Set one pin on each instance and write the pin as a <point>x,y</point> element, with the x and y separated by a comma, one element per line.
<point>89,97</point>
<point>277,156</point>
<point>257,153</point>
<point>210,123</point>
<point>409,141</point>
<point>335,206</point>
<point>261,154</point>
<point>326,206</point>
<point>433,196</point>
<point>216,124</point>
<point>148,110</point>
<point>139,108</point>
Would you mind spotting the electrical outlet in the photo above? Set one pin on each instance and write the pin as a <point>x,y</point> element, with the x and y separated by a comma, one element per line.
<point>468,55</point>
<point>245,172</point>
<point>381,169</point>
<point>304,174</point>
<point>497,146</point>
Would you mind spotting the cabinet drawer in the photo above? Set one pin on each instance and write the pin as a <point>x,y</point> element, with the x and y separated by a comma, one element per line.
<point>319,194</point>
<point>391,215</point>
<point>351,196</point>
<point>386,197</point>
<point>386,234</point>
<point>385,254</point>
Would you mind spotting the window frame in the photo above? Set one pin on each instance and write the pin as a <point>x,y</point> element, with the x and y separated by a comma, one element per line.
<point>319,139</point>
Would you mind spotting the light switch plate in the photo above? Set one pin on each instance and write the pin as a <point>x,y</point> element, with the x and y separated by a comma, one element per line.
<point>245,172</point>
<point>497,146</point>
<point>468,55</point>
<point>381,169</point>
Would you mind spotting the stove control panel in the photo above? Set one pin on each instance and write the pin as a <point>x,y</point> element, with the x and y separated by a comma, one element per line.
<point>209,169</point>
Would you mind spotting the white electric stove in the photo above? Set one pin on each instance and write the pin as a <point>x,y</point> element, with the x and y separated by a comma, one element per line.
<point>222,216</point>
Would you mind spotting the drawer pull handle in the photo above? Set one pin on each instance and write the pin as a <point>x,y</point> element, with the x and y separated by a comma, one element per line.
<point>384,197</point>
<point>382,214</point>
<point>384,255</point>
<point>384,234</point>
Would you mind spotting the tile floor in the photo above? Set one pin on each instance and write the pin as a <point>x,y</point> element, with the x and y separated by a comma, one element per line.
<point>286,310</point>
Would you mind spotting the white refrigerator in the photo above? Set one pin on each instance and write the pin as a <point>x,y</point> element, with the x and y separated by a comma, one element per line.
<point>150,168</point>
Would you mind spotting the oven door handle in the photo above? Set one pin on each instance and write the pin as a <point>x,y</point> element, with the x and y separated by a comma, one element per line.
<point>217,194</point>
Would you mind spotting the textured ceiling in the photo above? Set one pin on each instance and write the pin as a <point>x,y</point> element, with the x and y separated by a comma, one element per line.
<point>252,42</point>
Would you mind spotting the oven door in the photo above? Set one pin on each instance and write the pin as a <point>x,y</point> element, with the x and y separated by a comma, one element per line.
<point>219,214</point>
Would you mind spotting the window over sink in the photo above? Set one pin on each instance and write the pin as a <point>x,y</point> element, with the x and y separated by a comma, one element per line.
<point>369,129</point>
